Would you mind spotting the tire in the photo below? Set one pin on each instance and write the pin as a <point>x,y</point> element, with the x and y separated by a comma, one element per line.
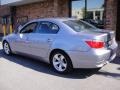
<point>6,48</point>
<point>61,62</point>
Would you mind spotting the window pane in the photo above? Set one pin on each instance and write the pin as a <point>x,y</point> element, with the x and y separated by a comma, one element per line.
<point>78,25</point>
<point>92,10</point>
<point>48,28</point>
<point>29,28</point>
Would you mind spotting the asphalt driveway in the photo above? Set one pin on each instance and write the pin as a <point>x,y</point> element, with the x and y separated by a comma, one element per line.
<point>20,73</point>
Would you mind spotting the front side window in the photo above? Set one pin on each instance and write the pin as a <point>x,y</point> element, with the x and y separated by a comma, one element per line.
<point>78,25</point>
<point>48,28</point>
<point>29,28</point>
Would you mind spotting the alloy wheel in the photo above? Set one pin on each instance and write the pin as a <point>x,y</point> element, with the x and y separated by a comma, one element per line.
<point>6,48</point>
<point>59,62</point>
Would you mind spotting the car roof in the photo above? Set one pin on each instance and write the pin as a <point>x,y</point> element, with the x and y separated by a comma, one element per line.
<point>54,19</point>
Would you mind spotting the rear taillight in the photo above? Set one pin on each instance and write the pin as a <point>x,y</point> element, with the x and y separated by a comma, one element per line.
<point>95,44</point>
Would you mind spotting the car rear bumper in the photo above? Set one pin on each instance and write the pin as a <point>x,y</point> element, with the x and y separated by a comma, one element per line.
<point>93,58</point>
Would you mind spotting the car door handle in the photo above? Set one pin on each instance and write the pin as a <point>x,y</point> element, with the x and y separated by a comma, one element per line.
<point>27,41</point>
<point>49,40</point>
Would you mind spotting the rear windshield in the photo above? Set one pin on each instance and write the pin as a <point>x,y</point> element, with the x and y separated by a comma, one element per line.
<point>78,25</point>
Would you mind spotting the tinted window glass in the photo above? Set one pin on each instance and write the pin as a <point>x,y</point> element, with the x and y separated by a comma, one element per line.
<point>48,28</point>
<point>29,28</point>
<point>78,25</point>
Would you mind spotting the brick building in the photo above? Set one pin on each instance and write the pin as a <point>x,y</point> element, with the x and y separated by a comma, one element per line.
<point>20,11</point>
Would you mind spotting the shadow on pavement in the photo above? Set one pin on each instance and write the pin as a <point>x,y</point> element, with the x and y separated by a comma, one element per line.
<point>116,61</point>
<point>109,74</point>
<point>46,68</point>
<point>118,68</point>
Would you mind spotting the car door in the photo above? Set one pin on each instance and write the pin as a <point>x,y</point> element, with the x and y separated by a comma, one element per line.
<point>41,41</point>
<point>21,43</point>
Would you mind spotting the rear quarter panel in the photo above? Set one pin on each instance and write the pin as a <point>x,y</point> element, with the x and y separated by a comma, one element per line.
<point>70,43</point>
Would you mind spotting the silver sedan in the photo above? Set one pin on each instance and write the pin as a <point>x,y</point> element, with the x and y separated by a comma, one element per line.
<point>64,43</point>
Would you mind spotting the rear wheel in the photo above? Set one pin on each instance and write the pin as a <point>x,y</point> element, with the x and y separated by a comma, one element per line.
<point>6,48</point>
<point>61,62</point>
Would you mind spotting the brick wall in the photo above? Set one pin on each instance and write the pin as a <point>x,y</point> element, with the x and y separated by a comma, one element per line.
<point>4,10</point>
<point>110,14</point>
<point>57,8</point>
<point>48,8</point>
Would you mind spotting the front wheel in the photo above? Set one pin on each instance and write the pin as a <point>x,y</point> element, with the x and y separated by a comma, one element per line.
<point>6,48</point>
<point>61,62</point>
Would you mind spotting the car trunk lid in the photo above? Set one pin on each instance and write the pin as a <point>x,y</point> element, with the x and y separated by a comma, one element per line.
<point>102,35</point>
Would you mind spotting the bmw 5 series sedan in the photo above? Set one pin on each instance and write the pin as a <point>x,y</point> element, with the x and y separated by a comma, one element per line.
<point>64,43</point>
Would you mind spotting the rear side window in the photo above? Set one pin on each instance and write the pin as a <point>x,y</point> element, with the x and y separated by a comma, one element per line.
<point>78,25</point>
<point>48,28</point>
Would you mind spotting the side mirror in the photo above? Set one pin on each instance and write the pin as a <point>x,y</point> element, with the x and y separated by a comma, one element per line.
<point>19,28</point>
